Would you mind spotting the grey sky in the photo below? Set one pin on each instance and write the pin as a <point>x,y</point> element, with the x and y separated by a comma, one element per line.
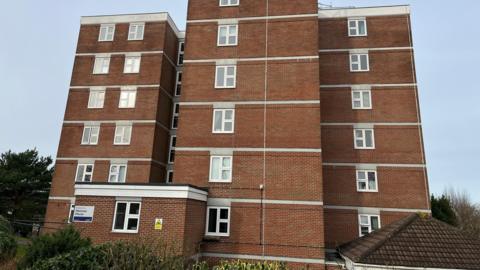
<point>39,39</point>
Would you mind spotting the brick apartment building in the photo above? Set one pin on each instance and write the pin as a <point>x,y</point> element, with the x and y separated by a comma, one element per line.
<point>269,129</point>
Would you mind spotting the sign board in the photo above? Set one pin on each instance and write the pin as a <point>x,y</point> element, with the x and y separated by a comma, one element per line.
<point>83,213</point>
<point>159,224</point>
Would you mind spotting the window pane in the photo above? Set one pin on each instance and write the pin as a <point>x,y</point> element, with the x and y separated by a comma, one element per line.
<point>228,115</point>
<point>352,24</point>
<point>361,28</point>
<point>134,208</point>
<point>216,168</point>
<point>232,30</point>
<point>363,219</point>
<point>366,99</point>
<point>362,185</point>
<point>371,184</point>
<point>354,58</point>
<point>132,224</point>
<point>356,95</point>
<point>230,82</point>
<point>224,2</point>
<point>364,62</point>
<point>361,175</point>
<point>234,2</point>
<point>228,126</point>
<point>230,71</point>
<point>364,230</point>
<point>223,227</point>
<point>80,173</point>
<point>223,213</point>
<point>220,76</point>
<point>358,134</point>
<point>86,135</point>
<point>212,220</point>
<point>368,138</point>
<point>225,174</point>
<point>232,39</point>
<point>218,121</point>
<point>357,104</point>
<point>121,174</point>
<point>120,216</point>
<point>89,168</point>
<point>375,223</point>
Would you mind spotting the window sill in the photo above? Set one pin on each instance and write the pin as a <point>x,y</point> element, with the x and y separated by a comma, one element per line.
<point>128,232</point>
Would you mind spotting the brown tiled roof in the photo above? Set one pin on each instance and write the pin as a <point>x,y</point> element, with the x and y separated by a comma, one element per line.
<point>415,241</point>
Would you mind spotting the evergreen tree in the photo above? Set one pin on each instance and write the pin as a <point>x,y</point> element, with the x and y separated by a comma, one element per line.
<point>443,210</point>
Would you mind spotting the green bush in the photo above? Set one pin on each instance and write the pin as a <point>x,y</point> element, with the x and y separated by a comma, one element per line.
<point>87,258</point>
<point>5,226</point>
<point>8,246</point>
<point>51,245</point>
<point>240,265</point>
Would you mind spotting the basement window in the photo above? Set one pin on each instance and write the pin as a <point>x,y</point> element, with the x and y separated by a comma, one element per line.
<point>127,217</point>
<point>368,224</point>
<point>218,221</point>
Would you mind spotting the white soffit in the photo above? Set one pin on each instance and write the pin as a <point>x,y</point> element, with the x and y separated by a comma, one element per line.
<point>363,12</point>
<point>144,191</point>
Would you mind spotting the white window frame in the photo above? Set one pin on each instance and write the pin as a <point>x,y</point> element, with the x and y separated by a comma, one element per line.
<point>124,139</point>
<point>229,3</point>
<point>127,217</point>
<point>363,138</point>
<point>132,64</point>
<point>102,67</point>
<point>133,30</point>
<point>228,35</point>
<point>362,103</point>
<point>93,135</point>
<point>178,83</point>
<point>218,221</point>
<point>226,77</point>
<point>117,173</point>
<point>221,169</point>
<point>109,29</point>
<point>366,180</point>
<point>356,28</point>
<point>71,212</point>
<point>128,98</point>
<point>96,98</point>
<point>168,178</point>
<point>84,172</point>
<point>369,224</point>
<point>359,62</point>
<point>181,53</point>
<point>175,114</point>
<point>171,149</point>
<point>224,121</point>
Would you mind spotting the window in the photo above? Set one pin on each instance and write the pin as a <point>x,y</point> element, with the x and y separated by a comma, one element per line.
<point>173,144</point>
<point>132,64</point>
<point>178,88</point>
<point>127,217</point>
<point>367,180</point>
<point>169,176</point>
<point>176,113</point>
<point>96,99</point>
<point>123,134</point>
<point>359,62</point>
<point>84,173</point>
<point>223,121</point>
<point>218,221</point>
<point>101,65</point>
<point>127,98</point>
<point>368,224</point>
<point>181,53</point>
<point>221,169</point>
<point>225,77</point>
<point>90,135</point>
<point>70,213</point>
<point>361,99</point>
<point>357,27</point>
<point>107,32</point>
<point>135,32</point>
<point>226,3</point>
<point>117,174</point>
<point>227,35</point>
<point>364,139</point>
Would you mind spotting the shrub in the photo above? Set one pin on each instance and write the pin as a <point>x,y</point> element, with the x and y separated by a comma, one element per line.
<point>8,247</point>
<point>240,265</point>
<point>5,225</point>
<point>88,258</point>
<point>51,245</point>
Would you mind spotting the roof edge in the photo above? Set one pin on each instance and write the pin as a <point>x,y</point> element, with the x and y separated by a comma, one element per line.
<point>363,11</point>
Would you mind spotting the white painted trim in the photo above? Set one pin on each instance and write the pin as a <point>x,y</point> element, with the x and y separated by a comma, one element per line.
<point>144,191</point>
<point>122,122</point>
<point>110,159</point>
<point>370,85</point>
<point>219,21</point>
<point>60,198</point>
<point>105,87</point>
<point>389,267</point>
<point>371,124</point>
<point>136,53</point>
<point>362,209</point>
<point>241,149</point>
<point>253,102</point>
<point>366,49</point>
<point>375,164</point>
<point>306,57</point>
<point>262,258</point>
<point>259,201</point>
<point>363,12</point>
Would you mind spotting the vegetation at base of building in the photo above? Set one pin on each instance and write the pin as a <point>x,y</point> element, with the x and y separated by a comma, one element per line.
<point>443,210</point>
<point>241,265</point>
<point>8,245</point>
<point>25,179</point>
<point>51,245</point>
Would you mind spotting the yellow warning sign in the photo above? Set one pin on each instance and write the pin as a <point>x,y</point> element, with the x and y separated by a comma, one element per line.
<point>158,223</point>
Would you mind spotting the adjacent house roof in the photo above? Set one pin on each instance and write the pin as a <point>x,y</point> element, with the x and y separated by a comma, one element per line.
<point>415,241</point>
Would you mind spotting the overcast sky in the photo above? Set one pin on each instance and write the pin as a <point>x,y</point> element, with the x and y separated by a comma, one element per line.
<point>39,39</point>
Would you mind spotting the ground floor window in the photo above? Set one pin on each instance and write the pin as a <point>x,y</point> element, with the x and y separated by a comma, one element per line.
<point>71,212</point>
<point>127,217</point>
<point>368,223</point>
<point>218,221</point>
